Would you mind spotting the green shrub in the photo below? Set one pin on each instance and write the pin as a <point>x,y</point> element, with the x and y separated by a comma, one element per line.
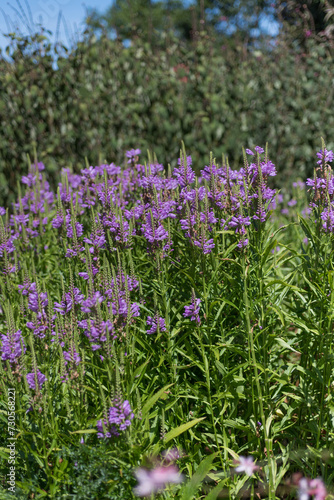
<point>102,98</point>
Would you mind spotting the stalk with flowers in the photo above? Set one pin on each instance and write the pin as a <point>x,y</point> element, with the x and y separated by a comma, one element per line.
<point>143,308</point>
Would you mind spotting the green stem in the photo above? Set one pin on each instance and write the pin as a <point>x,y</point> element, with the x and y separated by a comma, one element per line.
<point>208,384</point>
<point>268,441</point>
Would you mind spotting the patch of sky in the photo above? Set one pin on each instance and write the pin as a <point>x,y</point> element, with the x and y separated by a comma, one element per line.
<point>66,19</point>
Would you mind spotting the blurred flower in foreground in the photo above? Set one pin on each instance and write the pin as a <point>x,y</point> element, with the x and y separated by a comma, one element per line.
<point>151,481</point>
<point>311,487</point>
<point>246,465</point>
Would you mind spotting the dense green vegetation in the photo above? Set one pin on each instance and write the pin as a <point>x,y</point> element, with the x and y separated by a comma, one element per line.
<point>103,98</point>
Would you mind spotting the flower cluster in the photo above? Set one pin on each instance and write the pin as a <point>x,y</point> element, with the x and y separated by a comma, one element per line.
<point>193,310</point>
<point>32,377</point>
<point>322,187</point>
<point>118,419</point>
<point>137,200</point>
<point>11,346</point>
<point>154,323</point>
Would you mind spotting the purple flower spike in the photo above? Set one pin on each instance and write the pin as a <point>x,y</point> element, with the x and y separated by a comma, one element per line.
<point>91,302</point>
<point>72,357</point>
<point>153,323</point>
<point>184,174</point>
<point>40,379</point>
<point>132,154</point>
<point>119,418</point>
<point>206,246</point>
<point>11,346</point>
<point>243,243</point>
<point>193,310</point>
<point>325,155</point>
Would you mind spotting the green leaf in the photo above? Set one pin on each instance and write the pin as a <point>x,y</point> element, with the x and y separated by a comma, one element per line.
<point>233,453</point>
<point>191,487</point>
<point>153,399</point>
<point>84,431</point>
<point>182,428</point>
<point>213,495</point>
<point>286,345</point>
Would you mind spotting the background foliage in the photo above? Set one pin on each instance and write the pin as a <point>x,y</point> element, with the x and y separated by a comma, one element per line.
<point>104,98</point>
<point>211,89</point>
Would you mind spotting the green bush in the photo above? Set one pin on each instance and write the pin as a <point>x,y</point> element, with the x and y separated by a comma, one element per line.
<point>102,98</point>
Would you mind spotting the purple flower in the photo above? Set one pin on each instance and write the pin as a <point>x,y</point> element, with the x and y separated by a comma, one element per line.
<point>153,322</point>
<point>32,382</point>
<point>11,346</point>
<point>118,419</point>
<point>36,301</point>
<point>78,228</point>
<point>64,307</point>
<point>132,154</point>
<point>85,276</point>
<point>258,149</point>
<point>91,302</point>
<point>328,217</point>
<point>58,221</point>
<point>239,223</point>
<point>97,331</point>
<point>325,156</point>
<point>97,242</point>
<point>193,310</point>
<point>72,357</point>
<point>121,307</point>
<point>184,174</point>
<point>39,325</point>
<point>299,185</point>
<point>205,245</point>
<point>268,168</point>
<point>243,243</point>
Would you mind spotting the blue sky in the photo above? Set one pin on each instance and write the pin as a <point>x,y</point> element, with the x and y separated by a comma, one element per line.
<point>46,13</point>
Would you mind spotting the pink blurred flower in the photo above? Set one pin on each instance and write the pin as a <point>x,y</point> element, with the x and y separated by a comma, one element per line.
<point>311,487</point>
<point>151,481</point>
<point>246,465</point>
